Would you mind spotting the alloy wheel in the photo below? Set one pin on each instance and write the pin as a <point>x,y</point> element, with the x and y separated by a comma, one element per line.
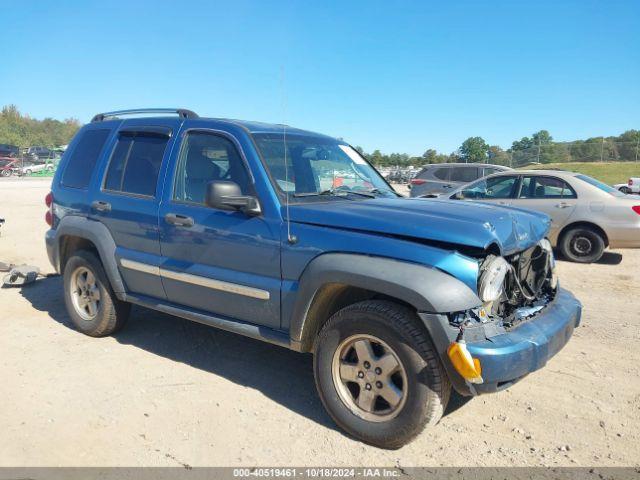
<point>369,378</point>
<point>85,293</point>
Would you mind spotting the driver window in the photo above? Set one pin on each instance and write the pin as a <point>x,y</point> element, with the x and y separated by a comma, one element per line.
<point>206,157</point>
<point>494,187</point>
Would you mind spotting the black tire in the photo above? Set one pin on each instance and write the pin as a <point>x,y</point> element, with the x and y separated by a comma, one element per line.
<point>428,387</point>
<point>111,313</point>
<point>582,245</point>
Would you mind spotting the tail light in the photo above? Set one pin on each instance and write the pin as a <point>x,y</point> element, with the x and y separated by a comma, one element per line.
<point>636,208</point>
<point>48,200</point>
<point>417,181</point>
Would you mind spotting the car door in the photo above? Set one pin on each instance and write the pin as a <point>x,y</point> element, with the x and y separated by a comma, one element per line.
<point>128,198</point>
<point>550,195</point>
<point>430,180</point>
<point>439,180</point>
<point>223,262</point>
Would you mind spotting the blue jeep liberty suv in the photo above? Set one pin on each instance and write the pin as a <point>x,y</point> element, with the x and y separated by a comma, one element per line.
<point>293,238</point>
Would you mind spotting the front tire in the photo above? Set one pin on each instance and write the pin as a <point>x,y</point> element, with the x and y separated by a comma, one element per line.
<point>378,374</point>
<point>91,303</point>
<point>582,245</point>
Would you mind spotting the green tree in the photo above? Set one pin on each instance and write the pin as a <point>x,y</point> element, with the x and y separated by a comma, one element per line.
<point>543,137</point>
<point>23,131</point>
<point>474,149</point>
<point>498,156</point>
<point>628,145</point>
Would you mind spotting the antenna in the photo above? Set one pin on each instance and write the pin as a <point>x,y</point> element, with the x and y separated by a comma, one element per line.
<point>290,238</point>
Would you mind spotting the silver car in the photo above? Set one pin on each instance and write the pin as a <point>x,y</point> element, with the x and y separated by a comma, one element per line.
<point>587,215</point>
<point>441,178</point>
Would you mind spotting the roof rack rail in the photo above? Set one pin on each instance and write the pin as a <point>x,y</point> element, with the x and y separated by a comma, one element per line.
<point>181,112</point>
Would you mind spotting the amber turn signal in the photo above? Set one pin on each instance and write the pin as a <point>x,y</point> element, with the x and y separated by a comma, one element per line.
<point>464,363</point>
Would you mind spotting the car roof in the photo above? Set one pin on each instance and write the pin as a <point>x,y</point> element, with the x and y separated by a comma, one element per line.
<point>558,173</point>
<point>460,164</point>
<point>248,125</point>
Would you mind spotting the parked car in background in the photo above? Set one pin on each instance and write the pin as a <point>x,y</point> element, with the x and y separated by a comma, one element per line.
<point>632,186</point>
<point>400,175</point>
<point>40,153</point>
<point>27,168</point>
<point>587,215</point>
<point>7,166</point>
<point>7,150</point>
<point>399,300</point>
<point>446,177</point>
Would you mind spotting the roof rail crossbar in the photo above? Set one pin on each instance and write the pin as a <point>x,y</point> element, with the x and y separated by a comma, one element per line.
<point>181,112</point>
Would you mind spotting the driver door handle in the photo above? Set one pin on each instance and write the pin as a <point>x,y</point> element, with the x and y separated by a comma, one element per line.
<point>179,220</point>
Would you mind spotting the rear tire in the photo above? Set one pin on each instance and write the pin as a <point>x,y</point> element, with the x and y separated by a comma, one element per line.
<point>91,303</point>
<point>582,245</point>
<point>400,363</point>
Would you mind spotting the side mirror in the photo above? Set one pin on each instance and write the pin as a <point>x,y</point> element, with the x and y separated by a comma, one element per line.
<point>457,196</point>
<point>228,196</point>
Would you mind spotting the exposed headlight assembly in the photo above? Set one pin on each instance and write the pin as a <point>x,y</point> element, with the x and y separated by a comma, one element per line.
<point>545,244</point>
<point>492,279</point>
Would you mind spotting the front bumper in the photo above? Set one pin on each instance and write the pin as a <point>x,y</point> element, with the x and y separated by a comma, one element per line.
<point>508,357</point>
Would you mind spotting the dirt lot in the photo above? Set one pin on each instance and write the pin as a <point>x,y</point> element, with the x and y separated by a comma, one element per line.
<point>166,391</point>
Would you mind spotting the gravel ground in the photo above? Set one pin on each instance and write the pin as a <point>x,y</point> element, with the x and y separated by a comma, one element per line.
<point>166,391</point>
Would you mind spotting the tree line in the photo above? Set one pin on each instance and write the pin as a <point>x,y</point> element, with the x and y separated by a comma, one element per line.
<point>538,148</point>
<point>24,131</point>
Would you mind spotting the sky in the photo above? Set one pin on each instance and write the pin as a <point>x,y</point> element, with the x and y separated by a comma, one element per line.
<point>389,75</point>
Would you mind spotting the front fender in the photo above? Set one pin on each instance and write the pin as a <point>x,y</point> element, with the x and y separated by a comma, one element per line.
<point>426,289</point>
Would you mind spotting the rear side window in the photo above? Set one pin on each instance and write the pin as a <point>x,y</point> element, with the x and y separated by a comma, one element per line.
<point>441,173</point>
<point>464,174</point>
<point>77,173</point>
<point>545,187</point>
<point>135,163</point>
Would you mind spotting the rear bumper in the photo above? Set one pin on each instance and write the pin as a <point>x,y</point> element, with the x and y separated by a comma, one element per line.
<point>507,357</point>
<point>625,237</point>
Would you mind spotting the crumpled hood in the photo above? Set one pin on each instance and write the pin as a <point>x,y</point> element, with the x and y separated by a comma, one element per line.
<point>457,222</point>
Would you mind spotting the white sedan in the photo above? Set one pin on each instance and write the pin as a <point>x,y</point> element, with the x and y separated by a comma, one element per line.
<point>28,168</point>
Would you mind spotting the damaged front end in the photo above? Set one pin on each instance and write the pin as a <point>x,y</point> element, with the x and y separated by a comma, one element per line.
<point>513,289</point>
<point>530,282</point>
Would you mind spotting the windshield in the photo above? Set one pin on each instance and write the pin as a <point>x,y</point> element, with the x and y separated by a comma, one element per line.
<point>602,186</point>
<point>319,166</point>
